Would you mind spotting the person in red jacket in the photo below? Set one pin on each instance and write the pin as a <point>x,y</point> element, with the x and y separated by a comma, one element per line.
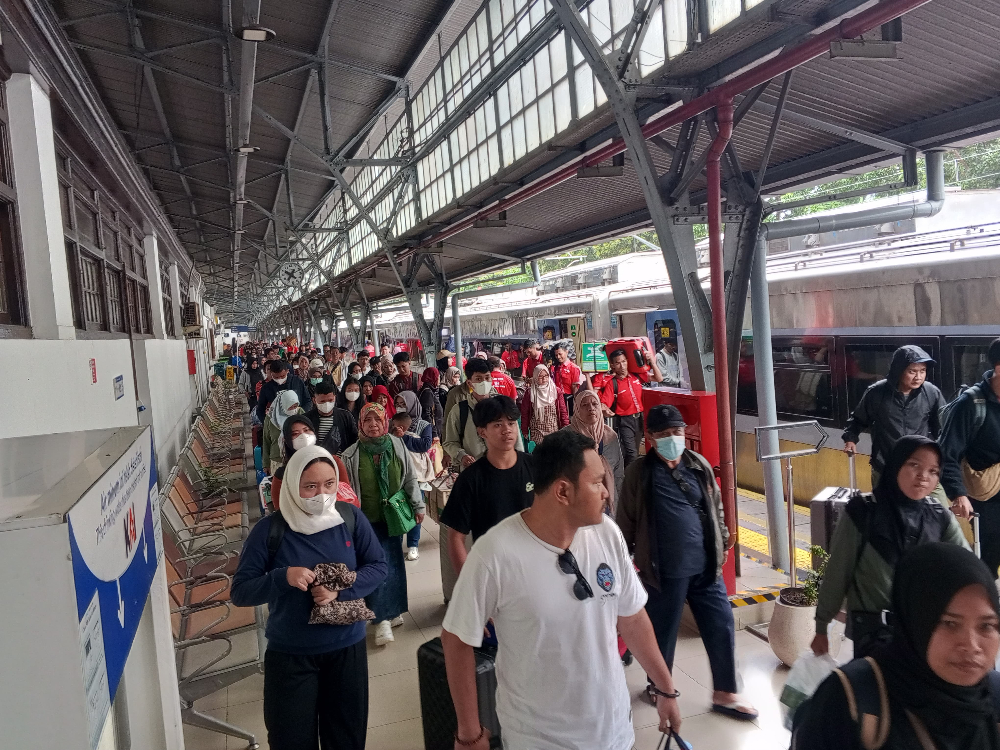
<point>511,359</point>
<point>621,394</point>
<point>567,376</point>
<point>532,358</point>
<point>502,382</point>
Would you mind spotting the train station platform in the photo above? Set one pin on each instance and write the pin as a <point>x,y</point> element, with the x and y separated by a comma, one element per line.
<point>394,715</point>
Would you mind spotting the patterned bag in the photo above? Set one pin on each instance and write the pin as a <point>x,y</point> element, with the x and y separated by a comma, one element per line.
<point>337,577</point>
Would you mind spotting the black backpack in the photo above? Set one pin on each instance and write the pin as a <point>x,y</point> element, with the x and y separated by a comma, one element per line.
<point>279,526</point>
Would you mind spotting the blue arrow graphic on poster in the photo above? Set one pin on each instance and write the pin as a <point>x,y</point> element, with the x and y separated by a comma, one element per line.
<point>110,529</point>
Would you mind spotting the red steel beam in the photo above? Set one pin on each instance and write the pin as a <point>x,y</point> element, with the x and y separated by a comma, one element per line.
<point>727,467</point>
<point>849,28</point>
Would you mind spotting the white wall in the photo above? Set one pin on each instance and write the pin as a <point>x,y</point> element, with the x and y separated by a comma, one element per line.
<point>48,386</point>
<point>164,388</point>
<point>142,687</point>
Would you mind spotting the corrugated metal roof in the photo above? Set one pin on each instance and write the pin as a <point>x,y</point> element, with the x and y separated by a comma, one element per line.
<point>948,62</point>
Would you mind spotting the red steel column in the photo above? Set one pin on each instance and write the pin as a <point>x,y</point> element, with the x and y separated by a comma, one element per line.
<point>724,120</point>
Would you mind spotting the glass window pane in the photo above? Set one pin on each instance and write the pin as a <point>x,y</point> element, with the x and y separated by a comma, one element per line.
<point>621,14</point>
<point>473,164</point>
<point>531,127</point>
<point>503,104</point>
<point>970,363</point>
<point>507,143</point>
<point>494,156</point>
<point>804,393</point>
<point>496,22</point>
<point>516,100</point>
<point>520,142</point>
<point>546,117</point>
<point>599,96</point>
<point>600,20</point>
<point>482,32</point>
<point>528,83</point>
<point>721,12</point>
<point>542,71</point>
<point>563,108</point>
<point>676,27</point>
<point>463,53</point>
<point>557,53</point>
<point>584,91</point>
<point>537,13</point>
<point>507,8</point>
<point>652,54</point>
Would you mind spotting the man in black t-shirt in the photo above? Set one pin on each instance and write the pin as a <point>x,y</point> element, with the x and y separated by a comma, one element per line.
<point>496,486</point>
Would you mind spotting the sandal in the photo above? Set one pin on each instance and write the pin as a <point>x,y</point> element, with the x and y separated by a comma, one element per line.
<point>735,710</point>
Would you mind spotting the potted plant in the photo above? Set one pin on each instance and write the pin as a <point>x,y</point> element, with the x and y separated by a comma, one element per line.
<point>793,623</point>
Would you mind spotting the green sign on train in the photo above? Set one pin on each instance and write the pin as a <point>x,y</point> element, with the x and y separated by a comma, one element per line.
<point>593,358</point>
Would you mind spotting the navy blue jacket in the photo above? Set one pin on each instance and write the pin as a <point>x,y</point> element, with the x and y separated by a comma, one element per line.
<point>270,390</point>
<point>288,628</point>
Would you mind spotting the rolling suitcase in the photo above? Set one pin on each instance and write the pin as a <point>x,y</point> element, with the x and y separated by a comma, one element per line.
<point>827,506</point>
<point>436,708</point>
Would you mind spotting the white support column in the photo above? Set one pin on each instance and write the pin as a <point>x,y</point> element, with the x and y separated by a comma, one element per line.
<point>50,307</point>
<point>151,248</point>
<point>175,293</point>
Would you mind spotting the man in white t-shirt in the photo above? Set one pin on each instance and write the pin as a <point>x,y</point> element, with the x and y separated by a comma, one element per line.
<point>557,582</point>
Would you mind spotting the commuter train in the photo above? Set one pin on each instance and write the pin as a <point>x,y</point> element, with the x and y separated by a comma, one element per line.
<point>838,311</point>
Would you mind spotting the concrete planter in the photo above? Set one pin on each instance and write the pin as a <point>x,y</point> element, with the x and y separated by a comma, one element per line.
<point>791,630</point>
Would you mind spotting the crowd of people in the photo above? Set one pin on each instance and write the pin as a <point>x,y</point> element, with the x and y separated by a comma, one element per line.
<point>565,538</point>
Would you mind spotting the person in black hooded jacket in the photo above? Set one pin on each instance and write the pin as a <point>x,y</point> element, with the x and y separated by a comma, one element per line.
<point>970,443</point>
<point>902,404</point>
<point>937,672</point>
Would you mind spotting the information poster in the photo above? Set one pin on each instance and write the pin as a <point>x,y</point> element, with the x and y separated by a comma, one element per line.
<point>115,552</point>
<point>594,358</point>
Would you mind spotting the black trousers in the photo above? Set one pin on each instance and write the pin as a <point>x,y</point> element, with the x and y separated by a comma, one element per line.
<point>317,701</point>
<point>989,531</point>
<point>706,594</point>
<point>629,429</point>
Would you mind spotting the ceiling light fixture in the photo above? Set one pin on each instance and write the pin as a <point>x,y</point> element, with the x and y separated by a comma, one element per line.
<point>255,33</point>
<point>247,149</point>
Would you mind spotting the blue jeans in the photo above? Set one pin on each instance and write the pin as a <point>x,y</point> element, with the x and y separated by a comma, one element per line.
<point>413,537</point>
<point>706,594</point>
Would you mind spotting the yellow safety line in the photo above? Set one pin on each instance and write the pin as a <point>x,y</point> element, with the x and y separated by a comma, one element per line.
<point>760,498</point>
<point>758,543</point>
<point>750,519</point>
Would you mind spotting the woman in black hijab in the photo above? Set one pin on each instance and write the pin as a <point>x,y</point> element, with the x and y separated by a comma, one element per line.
<point>871,537</point>
<point>249,378</point>
<point>942,692</point>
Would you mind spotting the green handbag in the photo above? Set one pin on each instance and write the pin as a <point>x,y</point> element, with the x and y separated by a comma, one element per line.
<point>398,513</point>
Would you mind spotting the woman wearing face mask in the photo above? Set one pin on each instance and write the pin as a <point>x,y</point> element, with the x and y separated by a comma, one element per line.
<point>940,690</point>
<point>379,468</point>
<point>351,399</point>
<point>317,376</point>
<point>588,420</point>
<point>872,536</point>
<point>380,395</point>
<point>542,410</point>
<point>296,433</point>
<point>285,405</point>
<point>335,428</point>
<point>315,676</point>
<point>249,378</point>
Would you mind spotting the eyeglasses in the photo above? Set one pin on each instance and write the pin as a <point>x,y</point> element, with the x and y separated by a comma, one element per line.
<point>581,589</point>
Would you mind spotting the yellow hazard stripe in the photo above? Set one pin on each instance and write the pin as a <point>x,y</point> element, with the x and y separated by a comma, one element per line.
<point>755,599</point>
<point>758,543</point>
<point>800,535</point>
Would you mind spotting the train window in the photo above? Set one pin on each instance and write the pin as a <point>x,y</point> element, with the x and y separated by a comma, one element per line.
<point>802,378</point>
<point>970,362</point>
<point>866,364</point>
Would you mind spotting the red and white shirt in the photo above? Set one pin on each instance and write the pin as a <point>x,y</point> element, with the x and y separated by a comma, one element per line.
<point>503,384</point>
<point>566,376</point>
<point>629,394</point>
<point>530,363</point>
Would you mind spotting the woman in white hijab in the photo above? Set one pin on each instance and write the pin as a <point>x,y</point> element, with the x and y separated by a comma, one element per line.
<point>285,404</point>
<point>315,675</point>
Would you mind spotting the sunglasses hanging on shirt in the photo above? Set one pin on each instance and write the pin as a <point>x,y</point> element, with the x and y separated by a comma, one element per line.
<point>581,588</point>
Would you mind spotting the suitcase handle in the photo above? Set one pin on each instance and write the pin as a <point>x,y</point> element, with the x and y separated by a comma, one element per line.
<point>852,473</point>
<point>977,546</point>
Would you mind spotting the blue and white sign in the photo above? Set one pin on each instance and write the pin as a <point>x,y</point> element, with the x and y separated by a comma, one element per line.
<point>115,552</point>
<point>119,387</point>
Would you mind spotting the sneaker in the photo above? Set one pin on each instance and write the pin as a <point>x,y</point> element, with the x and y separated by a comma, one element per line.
<point>383,633</point>
<point>397,622</point>
<point>412,554</point>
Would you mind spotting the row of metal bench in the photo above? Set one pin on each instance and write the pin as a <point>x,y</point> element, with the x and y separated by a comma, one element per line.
<point>205,511</point>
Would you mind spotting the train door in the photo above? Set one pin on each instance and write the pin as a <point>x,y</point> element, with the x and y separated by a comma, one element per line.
<point>575,332</point>
<point>664,332</point>
<point>548,329</point>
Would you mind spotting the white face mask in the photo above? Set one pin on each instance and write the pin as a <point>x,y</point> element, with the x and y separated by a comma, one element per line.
<point>483,388</point>
<point>352,395</point>
<point>315,505</point>
<point>280,381</point>
<point>325,407</point>
<point>303,441</point>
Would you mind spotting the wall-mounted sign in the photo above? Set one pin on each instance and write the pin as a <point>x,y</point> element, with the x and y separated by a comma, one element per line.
<point>119,386</point>
<point>93,371</point>
<point>593,357</point>
<point>114,547</point>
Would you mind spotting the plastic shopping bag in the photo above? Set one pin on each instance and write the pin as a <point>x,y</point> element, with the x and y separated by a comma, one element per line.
<point>805,676</point>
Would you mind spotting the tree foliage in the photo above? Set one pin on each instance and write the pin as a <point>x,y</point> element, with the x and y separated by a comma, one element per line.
<point>974,167</point>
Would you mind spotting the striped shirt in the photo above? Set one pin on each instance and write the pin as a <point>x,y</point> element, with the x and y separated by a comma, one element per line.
<point>325,424</point>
